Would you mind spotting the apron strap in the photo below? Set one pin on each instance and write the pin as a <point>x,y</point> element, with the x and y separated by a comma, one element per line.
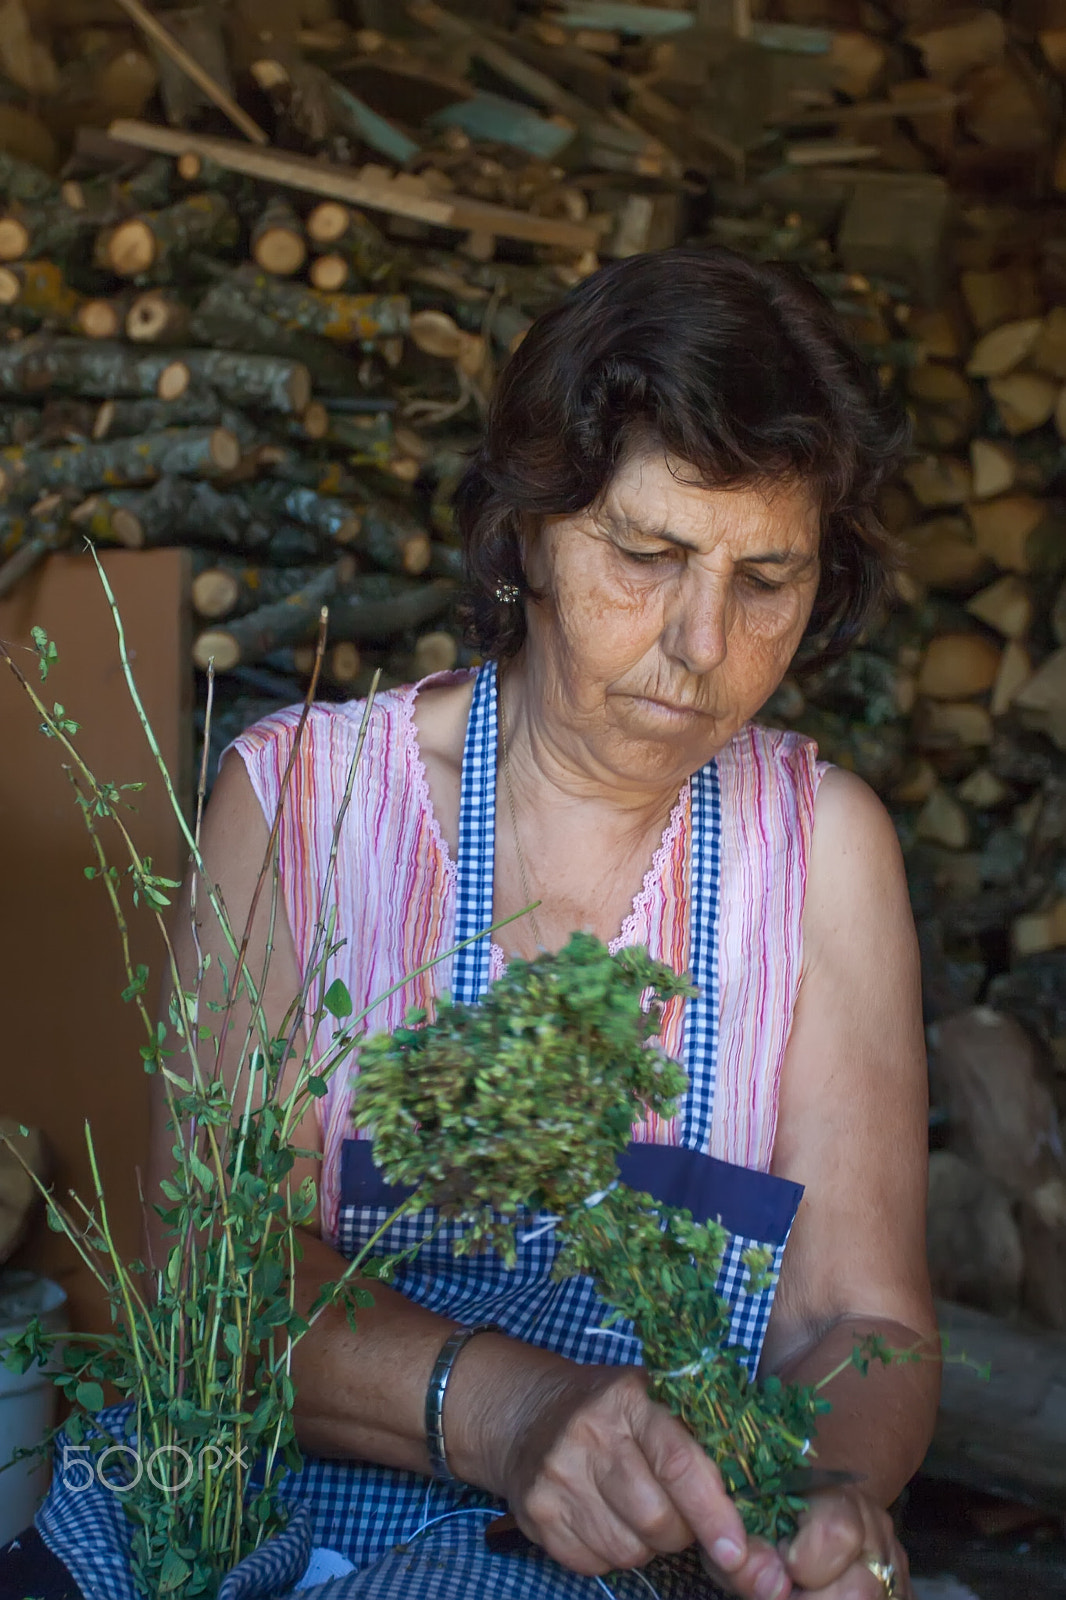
<point>701,1009</point>
<point>477,842</point>
<point>474,895</point>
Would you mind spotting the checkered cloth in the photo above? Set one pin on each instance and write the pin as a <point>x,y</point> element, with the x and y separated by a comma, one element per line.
<point>372,1515</point>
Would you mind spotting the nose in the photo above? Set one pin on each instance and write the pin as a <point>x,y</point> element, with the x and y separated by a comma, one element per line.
<point>697,624</point>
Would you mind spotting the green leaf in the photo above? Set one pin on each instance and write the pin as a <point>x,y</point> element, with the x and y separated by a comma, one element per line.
<point>337,1000</point>
<point>173,1572</point>
<point>90,1395</point>
<point>139,984</point>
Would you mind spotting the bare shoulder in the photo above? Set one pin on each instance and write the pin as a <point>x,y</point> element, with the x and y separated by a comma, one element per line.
<point>235,831</point>
<point>855,875</point>
<point>441,714</point>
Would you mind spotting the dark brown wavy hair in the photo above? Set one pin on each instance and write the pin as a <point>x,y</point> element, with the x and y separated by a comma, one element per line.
<point>738,368</point>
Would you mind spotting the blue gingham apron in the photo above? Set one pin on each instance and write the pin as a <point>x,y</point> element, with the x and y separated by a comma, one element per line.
<point>409,1537</point>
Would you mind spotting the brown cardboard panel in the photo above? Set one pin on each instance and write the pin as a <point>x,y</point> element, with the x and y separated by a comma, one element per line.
<point>69,1049</point>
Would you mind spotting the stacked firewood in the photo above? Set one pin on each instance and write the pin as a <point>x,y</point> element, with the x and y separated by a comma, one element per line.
<point>269,332</point>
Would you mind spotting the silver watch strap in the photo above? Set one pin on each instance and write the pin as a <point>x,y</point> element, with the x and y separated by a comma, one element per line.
<point>438,1384</point>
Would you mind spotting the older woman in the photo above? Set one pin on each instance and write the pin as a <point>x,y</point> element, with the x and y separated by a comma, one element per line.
<point>674,492</point>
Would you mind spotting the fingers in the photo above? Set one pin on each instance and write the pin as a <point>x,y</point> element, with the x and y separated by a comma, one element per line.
<point>760,1576</point>
<point>828,1556</point>
<point>832,1536</point>
<point>694,1486</point>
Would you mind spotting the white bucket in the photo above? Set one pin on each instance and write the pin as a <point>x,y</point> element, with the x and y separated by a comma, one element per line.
<point>27,1401</point>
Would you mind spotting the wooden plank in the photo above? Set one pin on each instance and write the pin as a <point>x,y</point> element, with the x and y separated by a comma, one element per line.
<point>70,1043</point>
<point>377,191</point>
<point>1005,1436</point>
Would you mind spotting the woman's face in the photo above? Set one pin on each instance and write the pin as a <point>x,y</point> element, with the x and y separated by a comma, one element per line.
<point>670,613</point>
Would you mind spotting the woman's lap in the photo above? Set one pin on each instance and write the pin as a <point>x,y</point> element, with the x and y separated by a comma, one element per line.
<point>28,1568</point>
<point>451,1562</point>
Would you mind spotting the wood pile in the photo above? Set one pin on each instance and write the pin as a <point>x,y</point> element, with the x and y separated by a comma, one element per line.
<point>259,266</point>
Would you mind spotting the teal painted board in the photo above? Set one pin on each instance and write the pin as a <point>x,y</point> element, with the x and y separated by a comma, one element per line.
<point>647,21</point>
<point>492,116</point>
<point>372,128</point>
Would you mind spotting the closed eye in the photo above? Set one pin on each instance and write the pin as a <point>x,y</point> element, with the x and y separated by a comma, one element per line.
<point>647,558</point>
<point>763,584</point>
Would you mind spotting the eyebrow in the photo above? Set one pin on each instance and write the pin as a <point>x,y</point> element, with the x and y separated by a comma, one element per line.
<point>790,559</point>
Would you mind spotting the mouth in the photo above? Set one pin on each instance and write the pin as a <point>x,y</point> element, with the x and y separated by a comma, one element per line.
<point>669,708</point>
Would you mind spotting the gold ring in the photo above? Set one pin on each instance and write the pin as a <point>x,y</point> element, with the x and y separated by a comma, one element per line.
<point>886,1573</point>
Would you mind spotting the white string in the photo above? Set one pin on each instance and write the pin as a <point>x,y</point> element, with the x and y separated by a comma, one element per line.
<point>493,1512</point>
<point>551,1222</point>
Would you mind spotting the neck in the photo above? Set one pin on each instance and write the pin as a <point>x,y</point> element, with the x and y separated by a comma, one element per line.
<point>553,755</point>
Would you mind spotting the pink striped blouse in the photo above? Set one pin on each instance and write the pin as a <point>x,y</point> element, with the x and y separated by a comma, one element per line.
<point>393,893</point>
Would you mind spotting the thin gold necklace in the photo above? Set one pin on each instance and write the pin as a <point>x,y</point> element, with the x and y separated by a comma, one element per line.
<point>514,820</point>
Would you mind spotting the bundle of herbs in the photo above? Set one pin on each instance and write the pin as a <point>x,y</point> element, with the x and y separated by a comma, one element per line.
<point>520,1106</point>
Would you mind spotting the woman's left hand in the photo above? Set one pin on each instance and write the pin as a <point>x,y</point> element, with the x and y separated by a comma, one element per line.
<point>828,1558</point>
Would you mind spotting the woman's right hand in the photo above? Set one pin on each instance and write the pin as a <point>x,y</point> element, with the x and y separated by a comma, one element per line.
<point>602,1477</point>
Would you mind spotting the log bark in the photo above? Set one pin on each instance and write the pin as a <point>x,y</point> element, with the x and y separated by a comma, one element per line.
<point>330,519</point>
<point>187,511</point>
<point>226,320</point>
<point>88,369</point>
<point>39,289</point>
<point>1005,1436</point>
<point>342,318</point>
<point>156,240</point>
<point>232,590</point>
<point>24,183</point>
<point>248,639</point>
<point>48,228</point>
<point>194,409</point>
<point>378,607</point>
<point>266,381</point>
<point>182,452</point>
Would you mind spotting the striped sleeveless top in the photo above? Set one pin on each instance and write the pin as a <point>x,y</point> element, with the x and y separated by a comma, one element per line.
<point>394,895</point>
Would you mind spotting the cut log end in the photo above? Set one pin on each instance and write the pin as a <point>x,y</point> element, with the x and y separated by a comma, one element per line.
<point>344,663</point>
<point>416,553</point>
<point>280,251</point>
<point>10,288</point>
<point>173,381</point>
<point>315,421</point>
<point>328,222</point>
<point>14,239</point>
<point>299,388</point>
<point>98,319</point>
<point>131,248</point>
<point>225,449</point>
<point>217,646</point>
<point>215,593</point>
<point>329,273</point>
<point>155,317</point>
<point>190,166</point>
<point>435,652</point>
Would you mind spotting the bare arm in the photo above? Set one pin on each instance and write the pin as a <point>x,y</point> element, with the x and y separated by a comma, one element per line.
<point>853,1130</point>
